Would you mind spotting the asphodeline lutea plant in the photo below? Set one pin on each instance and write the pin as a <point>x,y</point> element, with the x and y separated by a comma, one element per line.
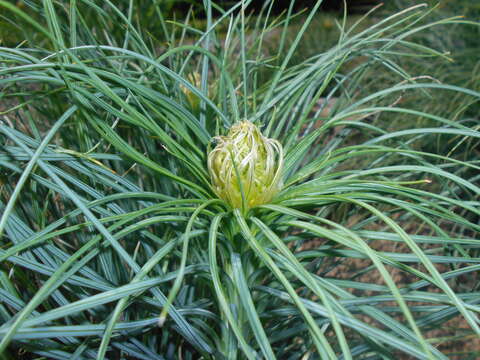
<point>246,167</point>
<point>113,241</point>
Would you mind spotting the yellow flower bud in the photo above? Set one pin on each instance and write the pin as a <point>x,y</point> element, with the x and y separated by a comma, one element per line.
<point>246,167</point>
<point>195,80</point>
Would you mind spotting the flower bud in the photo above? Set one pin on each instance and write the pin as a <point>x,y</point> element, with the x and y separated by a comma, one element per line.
<point>193,99</point>
<point>246,167</point>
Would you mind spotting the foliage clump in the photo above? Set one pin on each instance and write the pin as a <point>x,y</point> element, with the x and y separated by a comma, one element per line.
<point>124,234</point>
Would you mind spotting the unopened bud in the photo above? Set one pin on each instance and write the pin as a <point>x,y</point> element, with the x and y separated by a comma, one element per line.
<point>246,167</point>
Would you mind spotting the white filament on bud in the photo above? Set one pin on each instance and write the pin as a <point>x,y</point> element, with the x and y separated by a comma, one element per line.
<point>246,167</point>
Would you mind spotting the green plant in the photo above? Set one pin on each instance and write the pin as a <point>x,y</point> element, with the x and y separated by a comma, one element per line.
<point>114,243</point>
